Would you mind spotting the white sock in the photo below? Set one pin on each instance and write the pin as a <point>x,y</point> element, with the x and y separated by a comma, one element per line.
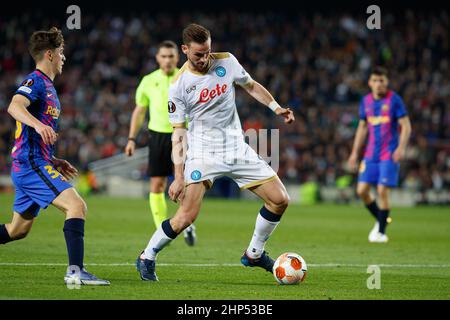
<point>157,242</point>
<point>263,230</point>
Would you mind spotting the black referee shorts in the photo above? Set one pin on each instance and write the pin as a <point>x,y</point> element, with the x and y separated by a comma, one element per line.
<point>159,157</point>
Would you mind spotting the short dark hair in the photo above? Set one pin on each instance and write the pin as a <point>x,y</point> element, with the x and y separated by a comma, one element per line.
<point>379,71</point>
<point>195,33</point>
<point>40,41</point>
<point>167,44</point>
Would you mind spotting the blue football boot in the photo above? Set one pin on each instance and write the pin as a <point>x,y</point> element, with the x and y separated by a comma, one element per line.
<point>264,261</point>
<point>190,236</point>
<point>146,269</point>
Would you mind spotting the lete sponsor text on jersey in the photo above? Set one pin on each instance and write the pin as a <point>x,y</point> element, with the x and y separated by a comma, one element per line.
<point>206,95</point>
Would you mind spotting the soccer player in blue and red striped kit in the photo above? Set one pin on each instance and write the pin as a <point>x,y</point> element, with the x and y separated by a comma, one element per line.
<point>40,179</point>
<point>382,114</point>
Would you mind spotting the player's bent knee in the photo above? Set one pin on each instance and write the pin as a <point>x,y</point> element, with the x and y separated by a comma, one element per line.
<point>284,201</point>
<point>280,203</point>
<point>77,209</point>
<point>362,192</point>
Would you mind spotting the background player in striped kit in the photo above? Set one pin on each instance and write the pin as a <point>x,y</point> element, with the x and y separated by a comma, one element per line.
<point>381,112</point>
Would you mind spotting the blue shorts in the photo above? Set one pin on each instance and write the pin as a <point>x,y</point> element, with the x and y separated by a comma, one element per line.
<point>382,172</point>
<point>37,185</point>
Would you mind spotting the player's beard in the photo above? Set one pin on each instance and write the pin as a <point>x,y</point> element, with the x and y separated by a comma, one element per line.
<point>200,67</point>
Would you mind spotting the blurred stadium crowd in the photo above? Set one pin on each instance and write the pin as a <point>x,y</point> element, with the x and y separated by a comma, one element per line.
<point>317,64</point>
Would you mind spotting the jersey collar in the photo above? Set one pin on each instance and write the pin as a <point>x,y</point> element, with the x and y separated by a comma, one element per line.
<point>168,75</point>
<point>43,73</point>
<point>388,92</point>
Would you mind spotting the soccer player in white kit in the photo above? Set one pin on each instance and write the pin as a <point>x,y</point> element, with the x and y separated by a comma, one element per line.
<point>203,92</point>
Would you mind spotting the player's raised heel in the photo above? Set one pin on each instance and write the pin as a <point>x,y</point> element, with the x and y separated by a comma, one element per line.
<point>83,277</point>
<point>146,269</point>
<point>264,261</point>
<point>189,235</point>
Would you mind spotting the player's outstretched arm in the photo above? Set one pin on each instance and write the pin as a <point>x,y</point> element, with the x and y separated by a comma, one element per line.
<point>360,137</point>
<point>179,147</point>
<point>405,133</point>
<point>137,119</point>
<point>257,91</point>
<point>18,110</point>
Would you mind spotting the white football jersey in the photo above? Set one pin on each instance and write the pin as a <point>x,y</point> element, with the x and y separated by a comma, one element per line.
<point>207,101</point>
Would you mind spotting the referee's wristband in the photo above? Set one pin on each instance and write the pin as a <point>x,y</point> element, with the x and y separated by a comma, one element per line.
<point>132,139</point>
<point>274,105</point>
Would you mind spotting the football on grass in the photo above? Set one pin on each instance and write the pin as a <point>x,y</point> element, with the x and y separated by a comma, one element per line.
<point>289,268</point>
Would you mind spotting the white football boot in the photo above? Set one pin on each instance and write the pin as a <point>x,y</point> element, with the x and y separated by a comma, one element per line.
<point>379,238</point>
<point>375,229</point>
<point>74,276</point>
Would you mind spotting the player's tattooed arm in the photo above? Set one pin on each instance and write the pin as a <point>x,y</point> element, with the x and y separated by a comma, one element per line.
<point>360,137</point>
<point>261,94</point>
<point>179,147</point>
<point>18,110</point>
<point>65,168</point>
<point>405,133</point>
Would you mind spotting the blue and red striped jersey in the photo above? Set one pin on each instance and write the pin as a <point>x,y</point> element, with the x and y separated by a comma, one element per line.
<point>382,117</point>
<point>44,105</point>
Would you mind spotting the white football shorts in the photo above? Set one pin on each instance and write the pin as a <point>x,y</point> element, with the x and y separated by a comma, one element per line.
<point>245,167</point>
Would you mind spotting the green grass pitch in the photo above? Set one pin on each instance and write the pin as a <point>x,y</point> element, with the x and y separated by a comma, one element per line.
<point>415,264</point>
